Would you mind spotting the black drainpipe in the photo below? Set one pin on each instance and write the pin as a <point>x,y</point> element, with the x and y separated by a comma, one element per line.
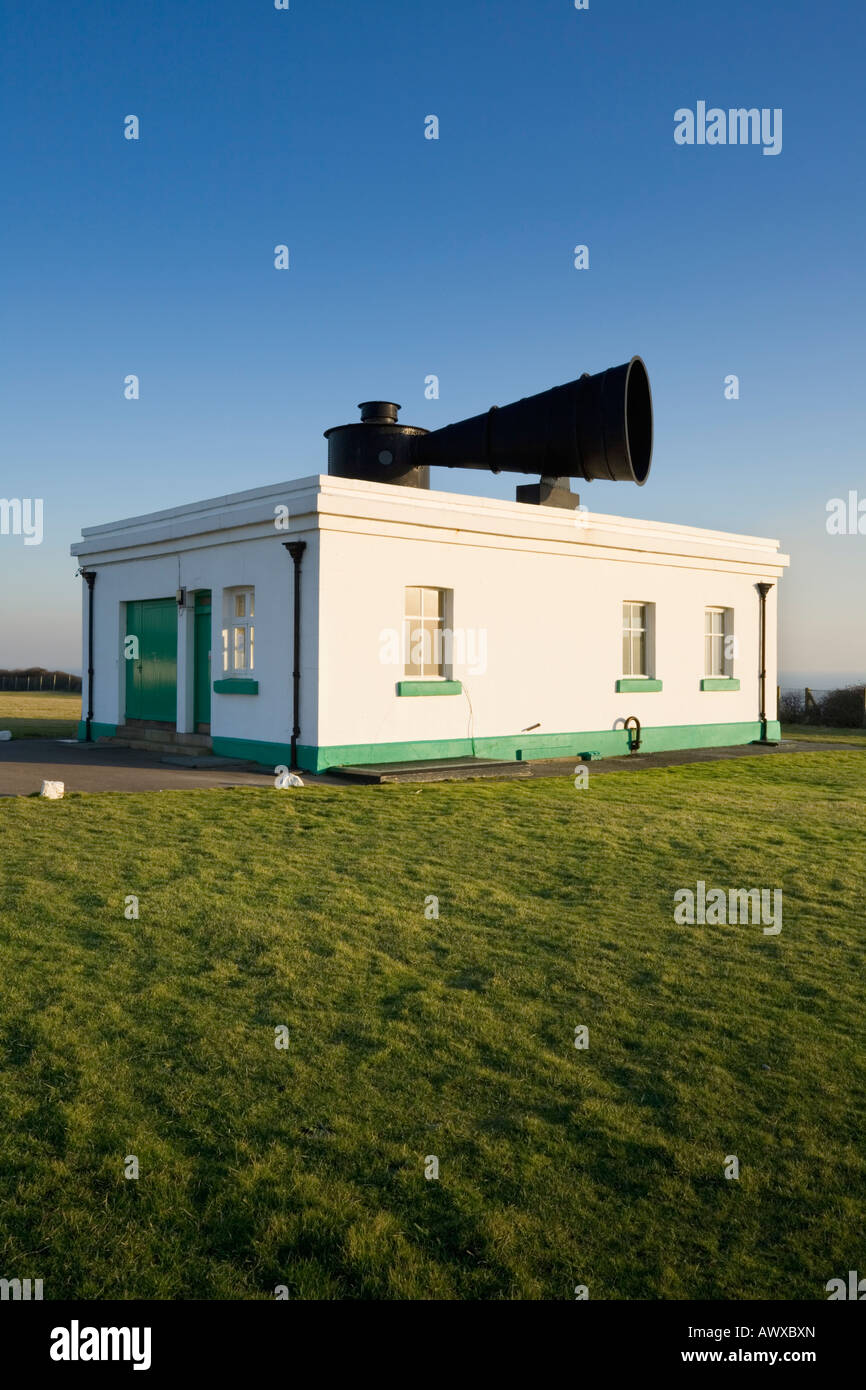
<point>763,590</point>
<point>89,577</point>
<point>296,550</point>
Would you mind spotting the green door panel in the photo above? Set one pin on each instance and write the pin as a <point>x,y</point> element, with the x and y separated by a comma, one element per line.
<point>202,658</point>
<point>151,677</point>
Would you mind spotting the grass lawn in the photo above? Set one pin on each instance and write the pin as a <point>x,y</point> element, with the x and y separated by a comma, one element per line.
<point>816,731</point>
<point>411,1037</point>
<point>39,714</point>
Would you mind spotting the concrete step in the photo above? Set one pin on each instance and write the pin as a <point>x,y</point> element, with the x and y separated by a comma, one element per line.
<point>160,749</point>
<point>168,737</point>
<point>434,770</point>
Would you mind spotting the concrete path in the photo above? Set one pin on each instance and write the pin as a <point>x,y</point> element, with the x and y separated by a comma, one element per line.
<point>95,767</point>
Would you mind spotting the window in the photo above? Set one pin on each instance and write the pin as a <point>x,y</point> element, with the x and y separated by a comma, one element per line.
<point>718,631</point>
<point>635,639</point>
<point>423,623</point>
<point>239,610</point>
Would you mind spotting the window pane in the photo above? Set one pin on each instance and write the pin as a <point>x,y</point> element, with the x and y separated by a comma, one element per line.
<point>634,639</point>
<point>252,637</point>
<point>252,598</point>
<point>412,666</point>
<point>714,652</point>
<point>415,652</point>
<point>431,643</point>
<point>433,646</point>
<point>413,603</point>
<point>240,605</point>
<point>225,649</point>
<point>239,649</point>
<point>432,603</point>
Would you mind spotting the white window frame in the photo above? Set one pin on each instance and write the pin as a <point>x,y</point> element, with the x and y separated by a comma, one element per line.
<point>432,669</point>
<point>233,622</point>
<point>645,626</point>
<point>716,638</point>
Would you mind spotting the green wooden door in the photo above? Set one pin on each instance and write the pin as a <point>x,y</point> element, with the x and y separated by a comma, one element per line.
<point>151,676</point>
<point>202,680</point>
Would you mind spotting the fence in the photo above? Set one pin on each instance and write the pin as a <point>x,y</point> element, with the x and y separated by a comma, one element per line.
<point>40,680</point>
<point>840,709</point>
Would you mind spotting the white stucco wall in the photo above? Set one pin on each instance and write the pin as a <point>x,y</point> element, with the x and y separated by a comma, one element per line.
<point>215,545</point>
<point>546,588</point>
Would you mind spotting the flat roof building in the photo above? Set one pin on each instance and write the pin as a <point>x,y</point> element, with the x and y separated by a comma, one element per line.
<point>429,625</point>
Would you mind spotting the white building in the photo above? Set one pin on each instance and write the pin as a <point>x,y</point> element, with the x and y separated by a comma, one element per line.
<point>543,629</point>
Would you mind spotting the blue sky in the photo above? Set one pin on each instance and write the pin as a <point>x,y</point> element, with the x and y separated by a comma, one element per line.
<point>412,257</point>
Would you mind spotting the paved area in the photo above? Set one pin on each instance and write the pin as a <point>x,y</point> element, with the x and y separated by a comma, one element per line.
<point>95,767</point>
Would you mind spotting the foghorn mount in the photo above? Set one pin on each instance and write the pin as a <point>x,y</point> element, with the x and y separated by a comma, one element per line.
<point>595,427</point>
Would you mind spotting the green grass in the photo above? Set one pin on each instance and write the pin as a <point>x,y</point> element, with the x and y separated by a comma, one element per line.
<point>452,1037</point>
<point>822,735</point>
<point>39,714</point>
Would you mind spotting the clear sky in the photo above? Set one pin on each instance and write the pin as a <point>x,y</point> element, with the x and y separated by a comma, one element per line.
<point>411,257</point>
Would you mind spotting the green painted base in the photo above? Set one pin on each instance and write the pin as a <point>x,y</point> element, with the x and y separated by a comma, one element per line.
<point>720,683</point>
<point>607,743</point>
<point>269,754</point>
<point>96,731</point>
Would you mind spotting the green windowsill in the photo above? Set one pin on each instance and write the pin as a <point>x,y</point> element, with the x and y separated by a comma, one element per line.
<point>720,683</point>
<point>429,688</point>
<point>236,685</point>
<point>638,684</point>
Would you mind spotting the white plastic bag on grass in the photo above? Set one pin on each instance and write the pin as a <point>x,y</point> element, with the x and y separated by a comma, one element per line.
<point>284,778</point>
